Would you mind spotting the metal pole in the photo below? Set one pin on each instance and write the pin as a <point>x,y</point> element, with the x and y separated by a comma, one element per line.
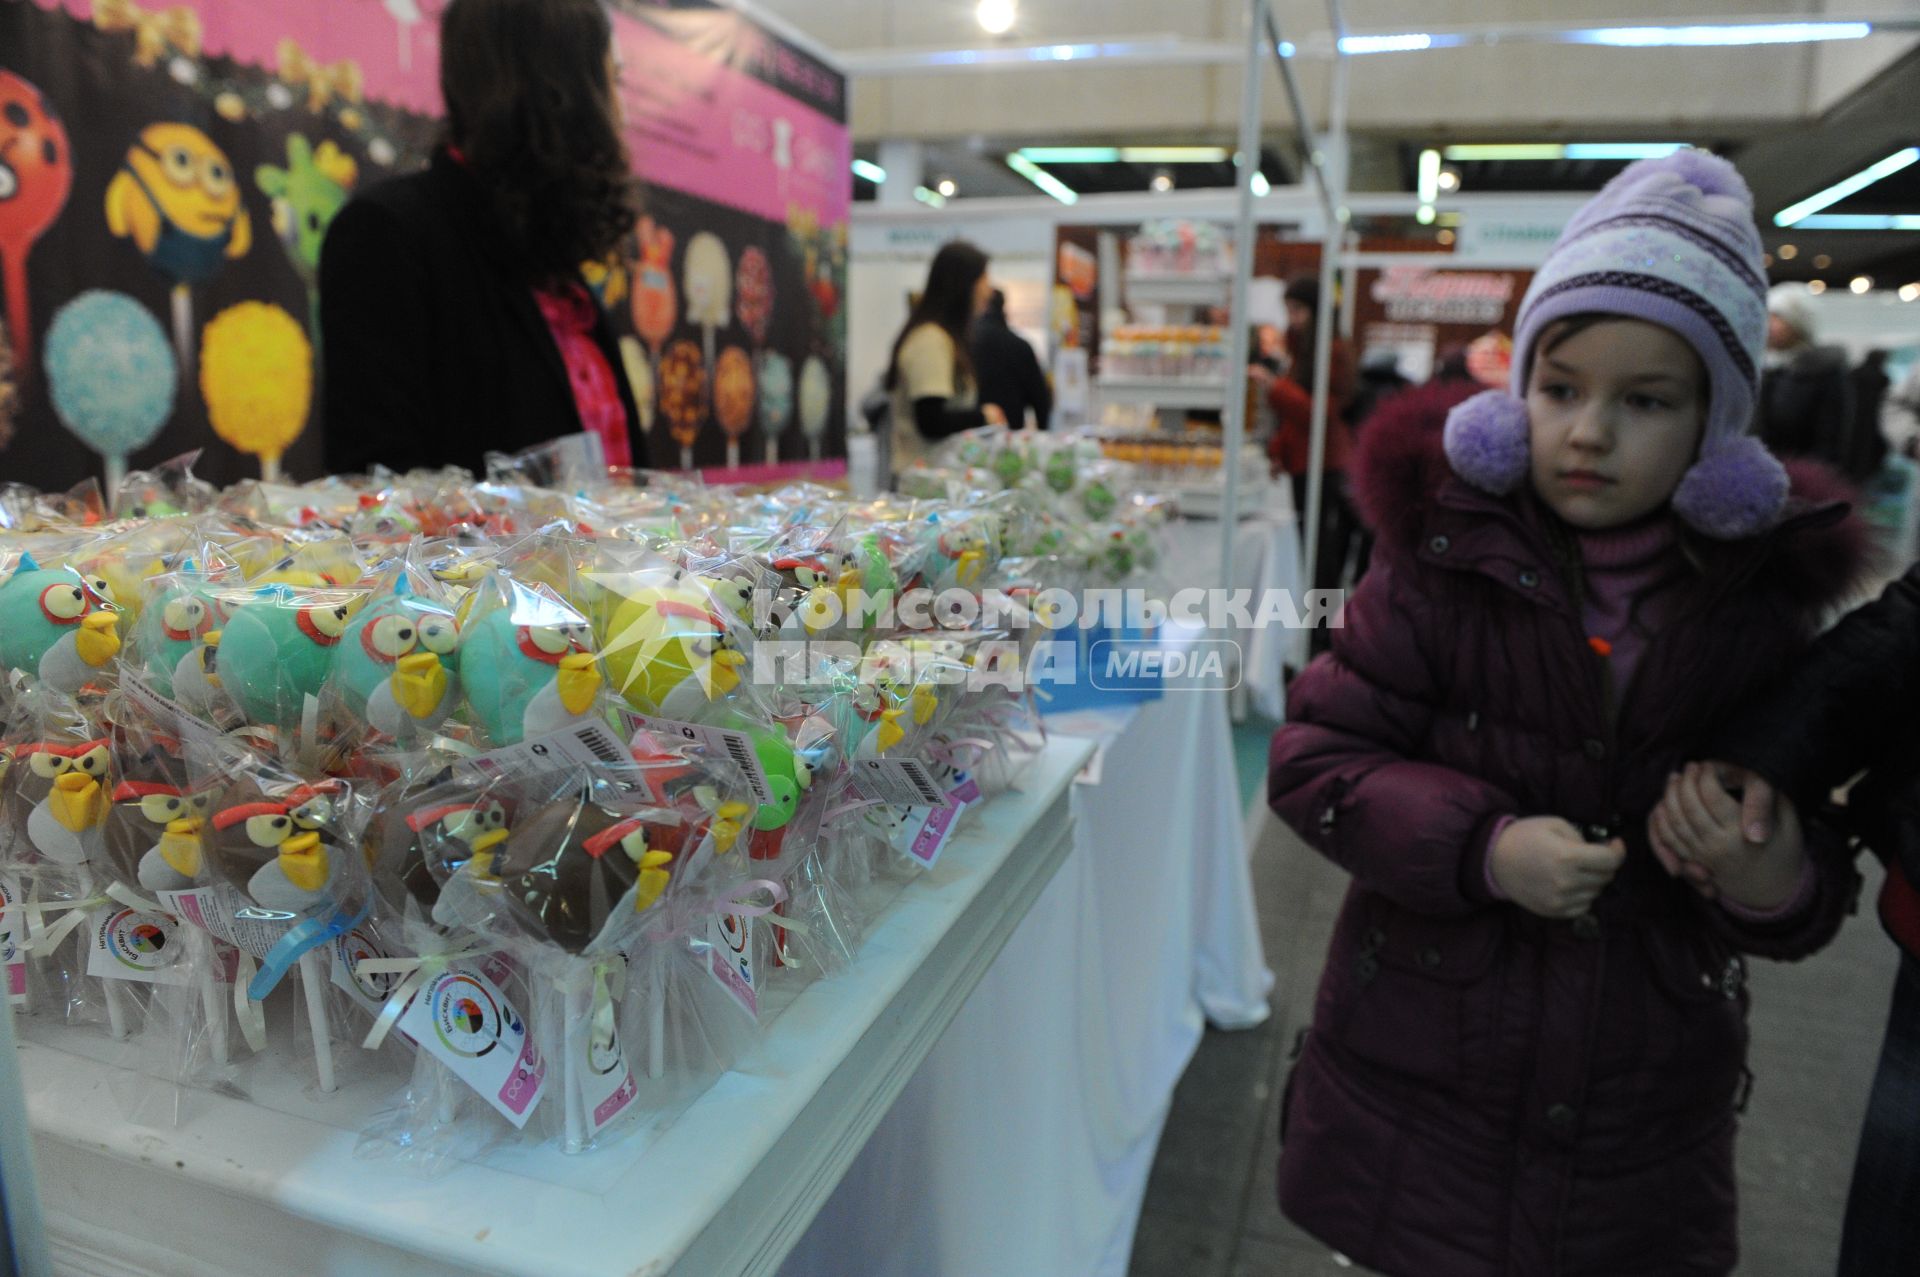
<point>1233,418</point>
<point>1323,313</point>
<point>1302,127</point>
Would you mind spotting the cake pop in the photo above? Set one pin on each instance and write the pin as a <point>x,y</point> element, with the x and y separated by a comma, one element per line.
<point>57,625</point>
<point>36,172</point>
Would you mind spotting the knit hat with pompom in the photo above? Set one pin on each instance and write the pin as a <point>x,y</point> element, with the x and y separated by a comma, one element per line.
<point>1671,241</point>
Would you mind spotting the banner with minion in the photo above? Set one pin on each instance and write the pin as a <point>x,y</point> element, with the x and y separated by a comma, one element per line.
<point>168,172</point>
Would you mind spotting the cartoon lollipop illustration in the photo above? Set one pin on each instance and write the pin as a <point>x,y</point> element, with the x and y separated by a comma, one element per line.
<point>683,395</point>
<point>708,278</point>
<point>753,289</point>
<point>256,375</point>
<point>776,400</point>
<point>313,187</point>
<point>654,303</point>
<point>733,398</point>
<point>176,198</point>
<point>111,375</point>
<point>36,171</point>
<point>816,398</point>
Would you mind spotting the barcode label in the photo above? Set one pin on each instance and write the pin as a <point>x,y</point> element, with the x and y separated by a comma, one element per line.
<point>904,782</point>
<point>590,744</point>
<point>737,746</point>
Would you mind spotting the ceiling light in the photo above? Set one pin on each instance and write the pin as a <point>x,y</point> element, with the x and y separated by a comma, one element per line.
<point>1622,150</point>
<point>1041,178</point>
<point>1162,182</point>
<point>1427,185</point>
<point>1816,286</point>
<point>1410,42</point>
<point>1910,292</point>
<point>1860,284</point>
<point>1445,237</point>
<point>996,16</point>
<point>1866,177</point>
<point>1788,252</point>
<point>1260,184</point>
<point>1449,179</point>
<point>870,171</point>
<point>1424,215</point>
<point>932,199</point>
<point>1174,154</point>
<point>1731,33</point>
<point>1071,154</point>
<point>1822,261</point>
<point>947,187</point>
<point>1505,151</point>
<point>1860,222</point>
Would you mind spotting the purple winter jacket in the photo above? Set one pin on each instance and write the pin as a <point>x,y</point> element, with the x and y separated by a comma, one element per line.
<point>1485,1091</point>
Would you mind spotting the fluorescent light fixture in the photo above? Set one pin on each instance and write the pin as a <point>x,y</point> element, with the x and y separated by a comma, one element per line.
<point>1859,222</point>
<point>1041,178</point>
<point>1504,151</point>
<point>1428,184</point>
<point>1732,33</point>
<point>996,16</point>
<point>1173,154</point>
<point>869,170</point>
<point>1860,284</point>
<point>1411,42</point>
<point>1794,213</point>
<point>1621,150</point>
<point>1070,154</point>
<point>931,198</point>
<point>1424,215</point>
<point>1260,184</point>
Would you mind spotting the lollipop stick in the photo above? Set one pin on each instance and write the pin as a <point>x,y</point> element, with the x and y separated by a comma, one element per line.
<point>686,457</point>
<point>116,1014</point>
<point>116,1010</point>
<point>116,466</point>
<point>572,1045</point>
<point>773,450</point>
<point>313,980</point>
<point>270,467</point>
<point>444,1098</point>
<point>657,1027</point>
<point>212,1005</point>
<point>183,327</point>
<point>733,454</point>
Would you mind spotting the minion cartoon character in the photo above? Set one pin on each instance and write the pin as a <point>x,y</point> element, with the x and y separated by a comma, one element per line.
<point>176,198</point>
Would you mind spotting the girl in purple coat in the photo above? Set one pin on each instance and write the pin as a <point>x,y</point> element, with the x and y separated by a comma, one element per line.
<point>1529,1043</point>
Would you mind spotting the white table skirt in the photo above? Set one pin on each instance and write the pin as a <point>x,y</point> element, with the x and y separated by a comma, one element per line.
<point>1266,558</point>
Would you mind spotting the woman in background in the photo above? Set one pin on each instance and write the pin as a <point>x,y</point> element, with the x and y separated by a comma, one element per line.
<point>930,376</point>
<point>454,319</point>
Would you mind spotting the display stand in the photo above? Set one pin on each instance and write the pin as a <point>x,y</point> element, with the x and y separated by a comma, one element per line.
<point>244,1187</point>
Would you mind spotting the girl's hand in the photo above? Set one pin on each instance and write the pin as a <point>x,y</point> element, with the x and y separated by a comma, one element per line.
<point>993,415</point>
<point>1699,823</point>
<point>1547,868</point>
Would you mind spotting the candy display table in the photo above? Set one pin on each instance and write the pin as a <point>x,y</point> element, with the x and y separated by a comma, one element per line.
<point>272,1185</point>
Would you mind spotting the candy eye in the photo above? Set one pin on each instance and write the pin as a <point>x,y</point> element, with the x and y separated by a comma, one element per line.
<point>579,636</point>
<point>177,163</point>
<point>179,615</point>
<point>392,636</point>
<point>268,831</point>
<point>63,603</point>
<point>551,639</point>
<point>46,766</point>
<point>158,809</point>
<point>200,803</point>
<point>635,845</point>
<point>312,814</point>
<point>495,816</point>
<point>98,584</point>
<point>439,635</point>
<point>330,621</point>
<point>216,179</point>
<point>94,762</point>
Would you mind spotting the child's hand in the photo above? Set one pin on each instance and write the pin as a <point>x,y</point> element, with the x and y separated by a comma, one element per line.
<point>1547,868</point>
<point>1699,823</point>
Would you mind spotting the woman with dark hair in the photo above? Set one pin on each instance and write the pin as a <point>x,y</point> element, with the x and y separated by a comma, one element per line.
<point>930,375</point>
<point>453,315</point>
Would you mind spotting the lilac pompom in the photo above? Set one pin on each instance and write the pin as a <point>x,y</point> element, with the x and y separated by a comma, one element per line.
<point>1487,441</point>
<point>1736,489</point>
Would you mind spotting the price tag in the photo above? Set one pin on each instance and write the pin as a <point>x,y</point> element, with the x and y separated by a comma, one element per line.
<point>904,782</point>
<point>463,1020</point>
<point>589,744</point>
<point>12,931</point>
<point>223,913</point>
<point>129,944</point>
<point>730,960</point>
<point>737,746</point>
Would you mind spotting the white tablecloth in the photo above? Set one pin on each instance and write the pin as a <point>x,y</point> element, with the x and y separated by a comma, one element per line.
<point>1023,1143</point>
<point>1266,558</point>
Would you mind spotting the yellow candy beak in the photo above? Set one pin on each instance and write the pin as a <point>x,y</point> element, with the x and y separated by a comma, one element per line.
<point>304,861</point>
<point>208,645</point>
<point>725,675</point>
<point>99,638</point>
<point>180,846</point>
<point>967,573</point>
<point>480,864</point>
<point>77,802</point>
<point>889,732</point>
<point>729,821</point>
<point>419,681</point>
<point>925,702</point>
<point>579,680</point>
<point>652,880</point>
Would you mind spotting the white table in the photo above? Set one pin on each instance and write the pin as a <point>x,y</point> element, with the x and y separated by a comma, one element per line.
<point>245,1187</point>
<point>1023,1144</point>
<point>1266,558</point>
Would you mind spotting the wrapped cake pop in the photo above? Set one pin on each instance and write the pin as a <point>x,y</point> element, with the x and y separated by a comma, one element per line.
<point>396,669</point>
<point>527,661</point>
<point>776,400</point>
<point>277,648</point>
<point>58,625</point>
<point>708,275</point>
<point>172,643</point>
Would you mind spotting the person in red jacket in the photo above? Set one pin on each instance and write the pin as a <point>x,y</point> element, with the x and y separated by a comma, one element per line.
<point>1528,1048</point>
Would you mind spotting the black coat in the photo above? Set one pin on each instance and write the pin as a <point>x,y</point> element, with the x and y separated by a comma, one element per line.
<point>1853,704</point>
<point>1806,407</point>
<point>435,351</point>
<point>1008,372</point>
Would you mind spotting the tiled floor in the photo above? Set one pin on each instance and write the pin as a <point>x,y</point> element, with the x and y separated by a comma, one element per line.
<point>1210,1208</point>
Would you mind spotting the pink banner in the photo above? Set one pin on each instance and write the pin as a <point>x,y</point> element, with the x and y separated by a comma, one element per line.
<point>700,126</point>
<point>393,44</point>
